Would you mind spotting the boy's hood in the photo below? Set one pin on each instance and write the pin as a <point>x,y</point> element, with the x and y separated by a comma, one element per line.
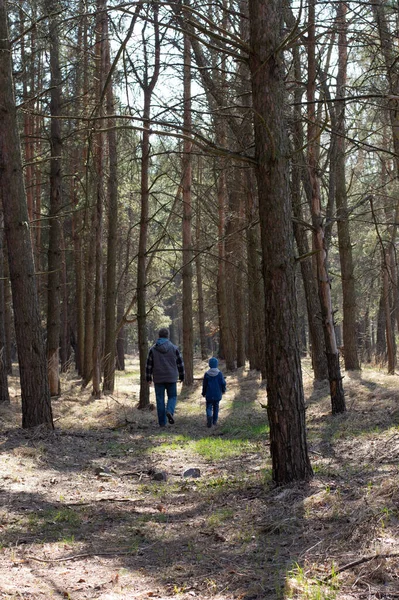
<point>213,372</point>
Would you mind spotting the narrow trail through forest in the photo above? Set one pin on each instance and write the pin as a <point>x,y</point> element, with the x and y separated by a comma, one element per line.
<point>83,515</point>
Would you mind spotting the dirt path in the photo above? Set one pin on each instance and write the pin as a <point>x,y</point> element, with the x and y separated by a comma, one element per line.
<point>82,516</point>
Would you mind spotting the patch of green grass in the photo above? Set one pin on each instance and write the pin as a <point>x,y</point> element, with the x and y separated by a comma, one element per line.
<point>267,476</point>
<point>217,448</point>
<point>68,540</point>
<point>176,443</point>
<point>62,515</point>
<point>387,514</point>
<point>134,544</point>
<point>249,431</point>
<point>352,429</point>
<point>220,485</point>
<point>61,523</point>
<point>238,404</point>
<point>298,584</point>
<point>117,449</point>
<point>128,373</point>
<point>324,470</point>
<point>220,515</point>
<point>155,488</point>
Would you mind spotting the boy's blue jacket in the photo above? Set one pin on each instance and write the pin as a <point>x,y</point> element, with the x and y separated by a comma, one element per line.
<point>213,385</point>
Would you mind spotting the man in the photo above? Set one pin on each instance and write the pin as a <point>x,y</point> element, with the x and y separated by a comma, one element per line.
<point>165,366</point>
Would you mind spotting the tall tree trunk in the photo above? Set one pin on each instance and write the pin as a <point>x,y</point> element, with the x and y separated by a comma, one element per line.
<point>381,345</point>
<point>65,333</point>
<point>7,311</point>
<point>349,307</point>
<point>389,53</point>
<point>110,306</point>
<point>285,400</point>
<point>389,329</point>
<point>54,247</point>
<point>316,334</point>
<point>142,255</point>
<point>36,404</point>
<point>79,308</point>
<point>141,262</point>
<point>256,302</point>
<point>4,395</point>
<point>226,349</point>
<point>28,79</point>
<point>389,281</point>
<point>234,251</point>
<point>200,293</point>
<point>80,158</point>
<point>99,158</point>
<point>249,205</point>
<point>124,262</point>
<point>147,85</point>
<point>89,298</point>
<point>298,170</point>
<point>187,269</point>
<point>334,372</point>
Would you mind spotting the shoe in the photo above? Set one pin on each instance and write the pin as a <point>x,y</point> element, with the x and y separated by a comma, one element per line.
<point>170,418</point>
<point>209,422</point>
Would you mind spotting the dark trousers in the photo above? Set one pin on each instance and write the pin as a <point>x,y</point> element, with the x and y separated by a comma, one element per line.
<point>212,411</point>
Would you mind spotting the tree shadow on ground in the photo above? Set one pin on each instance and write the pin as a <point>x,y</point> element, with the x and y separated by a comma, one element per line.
<point>229,534</point>
<point>239,541</point>
<point>370,412</point>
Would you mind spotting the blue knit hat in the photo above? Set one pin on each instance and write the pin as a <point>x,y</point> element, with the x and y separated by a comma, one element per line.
<point>213,362</point>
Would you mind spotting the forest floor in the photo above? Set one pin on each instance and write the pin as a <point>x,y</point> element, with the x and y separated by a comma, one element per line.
<point>82,517</point>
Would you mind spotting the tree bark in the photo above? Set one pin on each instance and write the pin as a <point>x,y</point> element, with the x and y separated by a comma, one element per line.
<point>234,252</point>
<point>298,175</point>
<point>285,405</point>
<point>381,345</point>
<point>256,301</point>
<point>316,334</point>
<point>387,294</point>
<point>35,394</point>
<point>335,379</point>
<point>144,400</point>
<point>389,53</point>
<point>187,269</point>
<point>226,347</point>
<point>4,395</point>
<point>200,293</point>
<point>7,310</point>
<point>54,247</point>
<point>110,306</point>
<point>147,85</point>
<point>65,333</point>
<point>99,159</point>
<point>80,158</point>
<point>90,262</point>
<point>349,306</point>
<point>124,262</point>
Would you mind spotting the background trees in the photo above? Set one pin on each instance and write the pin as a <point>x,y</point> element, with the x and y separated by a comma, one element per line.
<point>135,119</point>
<point>36,407</point>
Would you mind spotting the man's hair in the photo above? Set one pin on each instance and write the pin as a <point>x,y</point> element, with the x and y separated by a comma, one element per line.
<point>163,333</point>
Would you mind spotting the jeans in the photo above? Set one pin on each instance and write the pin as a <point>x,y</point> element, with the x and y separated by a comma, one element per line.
<point>212,406</point>
<point>171,390</point>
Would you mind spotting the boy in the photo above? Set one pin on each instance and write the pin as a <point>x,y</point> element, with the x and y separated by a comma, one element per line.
<point>213,386</point>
